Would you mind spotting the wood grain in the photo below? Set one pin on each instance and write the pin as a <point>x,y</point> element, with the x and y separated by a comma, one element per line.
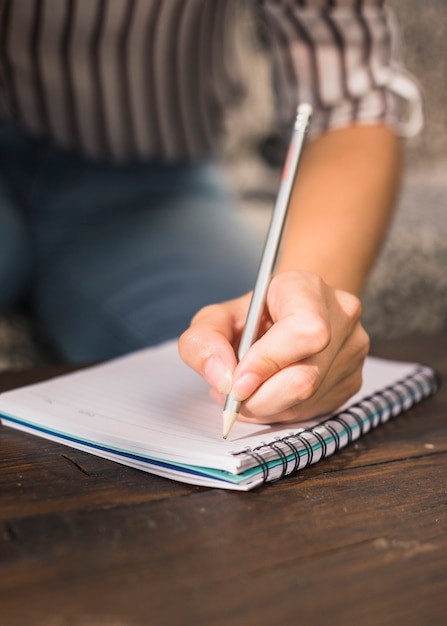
<point>360,538</point>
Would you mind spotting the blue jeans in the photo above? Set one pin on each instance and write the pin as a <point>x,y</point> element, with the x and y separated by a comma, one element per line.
<point>111,258</point>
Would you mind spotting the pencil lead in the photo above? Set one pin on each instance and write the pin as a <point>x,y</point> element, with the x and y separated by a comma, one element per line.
<point>229,417</point>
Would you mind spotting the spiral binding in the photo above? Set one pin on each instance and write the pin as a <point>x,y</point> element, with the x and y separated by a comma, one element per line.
<point>286,455</point>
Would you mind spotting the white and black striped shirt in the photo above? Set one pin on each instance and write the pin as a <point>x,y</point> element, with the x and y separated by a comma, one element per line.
<point>152,78</point>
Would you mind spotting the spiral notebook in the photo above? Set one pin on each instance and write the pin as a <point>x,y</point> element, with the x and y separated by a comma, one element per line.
<point>150,411</point>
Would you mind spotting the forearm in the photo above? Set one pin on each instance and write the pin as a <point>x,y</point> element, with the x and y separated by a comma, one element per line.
<point>341,205</point>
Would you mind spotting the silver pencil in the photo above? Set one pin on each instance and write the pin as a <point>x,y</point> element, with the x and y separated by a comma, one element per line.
<point>270,253</point>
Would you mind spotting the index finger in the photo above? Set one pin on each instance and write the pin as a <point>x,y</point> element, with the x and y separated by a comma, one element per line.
<point>207,345</point>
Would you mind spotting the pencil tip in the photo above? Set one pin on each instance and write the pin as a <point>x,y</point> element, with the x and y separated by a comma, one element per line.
<point>229,417</point>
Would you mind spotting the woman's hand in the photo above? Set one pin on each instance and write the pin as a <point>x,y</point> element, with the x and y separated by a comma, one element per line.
<point>307,360</point>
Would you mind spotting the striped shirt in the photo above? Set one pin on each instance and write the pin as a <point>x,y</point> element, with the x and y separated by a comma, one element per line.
<point>139,79</point>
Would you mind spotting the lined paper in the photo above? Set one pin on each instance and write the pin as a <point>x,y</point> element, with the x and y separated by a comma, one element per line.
<point>151,404</point>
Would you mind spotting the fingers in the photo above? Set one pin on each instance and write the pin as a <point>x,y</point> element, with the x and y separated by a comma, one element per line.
<point>301,392</point>
<point>307,361</point>
<point>208,344</point>
<point>310,388</point>
<point>309,317</point>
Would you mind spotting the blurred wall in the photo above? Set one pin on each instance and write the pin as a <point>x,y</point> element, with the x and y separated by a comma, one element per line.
<point>423,27</point>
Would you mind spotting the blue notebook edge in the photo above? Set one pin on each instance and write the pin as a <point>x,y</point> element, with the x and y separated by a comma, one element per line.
<point>274,460</point>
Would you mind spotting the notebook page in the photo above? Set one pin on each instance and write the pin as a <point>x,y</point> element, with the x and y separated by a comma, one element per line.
<point>151,403</point>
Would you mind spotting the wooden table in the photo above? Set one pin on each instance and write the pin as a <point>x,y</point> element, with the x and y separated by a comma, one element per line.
<point>359,539</point>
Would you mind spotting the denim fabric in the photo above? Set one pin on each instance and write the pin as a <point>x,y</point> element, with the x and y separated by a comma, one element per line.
<point>112,258</point>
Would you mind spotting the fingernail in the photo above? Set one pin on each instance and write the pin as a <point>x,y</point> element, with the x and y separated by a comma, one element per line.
<point>244,386</point>
<point>218,375</point>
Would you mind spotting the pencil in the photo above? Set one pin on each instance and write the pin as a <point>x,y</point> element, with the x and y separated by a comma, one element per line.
<point>270,253</point>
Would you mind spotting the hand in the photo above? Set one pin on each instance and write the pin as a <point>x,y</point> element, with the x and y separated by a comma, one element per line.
<point>307,360</point>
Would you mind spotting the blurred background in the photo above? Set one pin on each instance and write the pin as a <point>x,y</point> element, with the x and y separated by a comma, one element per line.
<point>407,290</point>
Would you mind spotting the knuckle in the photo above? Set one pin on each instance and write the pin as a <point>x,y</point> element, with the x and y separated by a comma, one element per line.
<point>313,329</point>
<point>318,334</point>
<point>308,388</point>
<point>365,343</point>
<point>305,384</point>
<point>362,343</point>
<point>352,306</point>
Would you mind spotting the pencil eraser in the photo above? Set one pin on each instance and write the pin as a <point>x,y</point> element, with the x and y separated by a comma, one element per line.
<point>304,109</point>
